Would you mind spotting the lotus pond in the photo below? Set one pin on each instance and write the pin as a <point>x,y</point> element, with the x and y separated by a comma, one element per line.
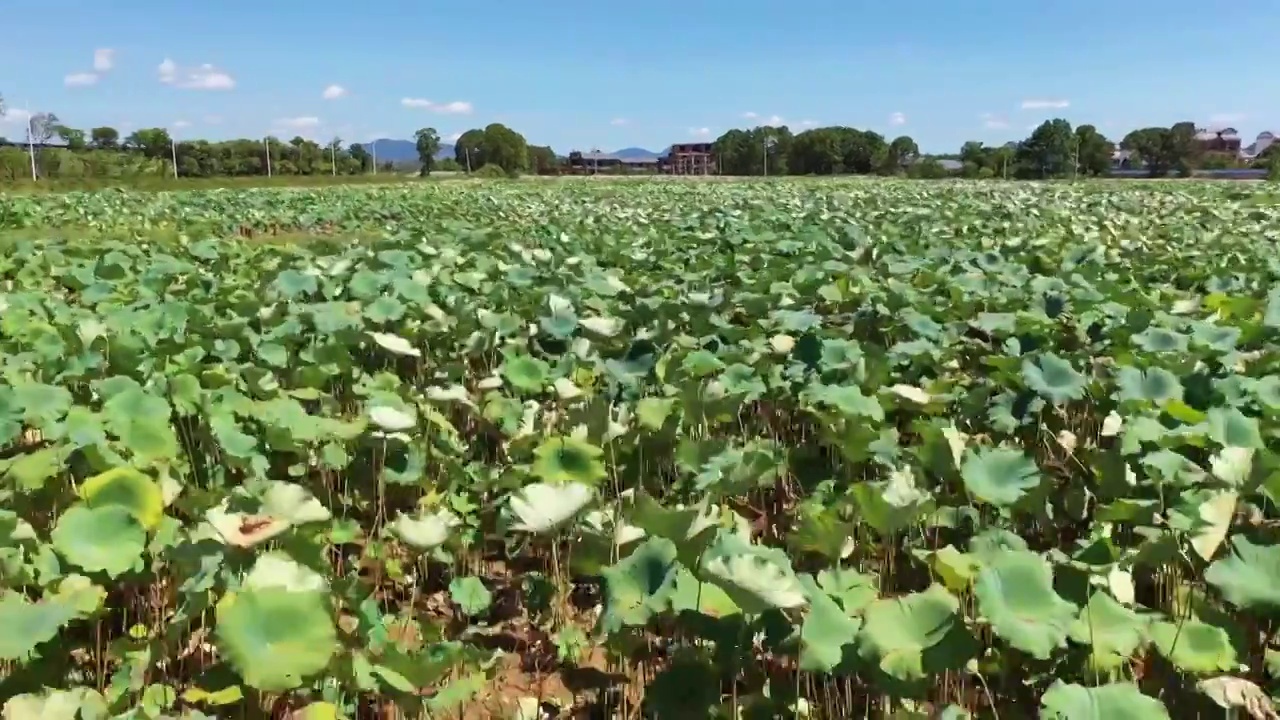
<point>834,449</point>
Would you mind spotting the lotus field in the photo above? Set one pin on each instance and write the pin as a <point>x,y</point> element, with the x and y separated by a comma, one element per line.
<point>795,449</point>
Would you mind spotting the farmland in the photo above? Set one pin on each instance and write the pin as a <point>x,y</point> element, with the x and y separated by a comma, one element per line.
<point>833,449</point>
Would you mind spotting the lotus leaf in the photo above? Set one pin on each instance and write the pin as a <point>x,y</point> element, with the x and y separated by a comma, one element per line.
<point>1015,593</point>
<point>104,539</point>
<point>915,635</point>
<point>1250,577</point>
<point>999,476</point>
<point>129,489</point>
<point>542,507</point>
<point>640,585</point>
<point>1117,701</point>
<point>276,638</point>
<point>754,577</point>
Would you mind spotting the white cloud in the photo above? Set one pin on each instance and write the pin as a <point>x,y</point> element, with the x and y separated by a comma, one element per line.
<point>15,116</point>
<point>457,107</point>
<point>180,124</point>
<point>333,92</point>
<point>204,77</point>
<point>618,121</point>
<point>298,123</point>
<point>83,79</point>
<point>104,59</point>
<point>453,137</point>
<point>808,123</point>
<point>897,119</point>
<point>1045,104</point>
<point>700,132</point>
<point>1226,118</point>
<point>771,121</point>
<point>994,122</point>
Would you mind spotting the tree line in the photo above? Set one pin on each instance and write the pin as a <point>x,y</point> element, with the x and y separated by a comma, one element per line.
<point>1054,149</point>
<point>64,152</point>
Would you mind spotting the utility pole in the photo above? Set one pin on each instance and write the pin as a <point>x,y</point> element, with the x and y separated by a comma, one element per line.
<point>468,153</point>
<point>31,141</point>
<point>333,158</point>
<point>267,141</point>
<point>373,150</point>
<point>173,154</point>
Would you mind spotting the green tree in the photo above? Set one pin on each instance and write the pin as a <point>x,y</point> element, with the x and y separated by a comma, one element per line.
<point>469,150</point>
<point>505,148</point>
<point>1093,151</point>
<point>360,155</point>
<point>542,159</point>
<point>901,153</point>
<point>1148,147</point>
<point>104,138</point>
<point>1049,151</point>
<point>427,143</point>
<point>72,137</point>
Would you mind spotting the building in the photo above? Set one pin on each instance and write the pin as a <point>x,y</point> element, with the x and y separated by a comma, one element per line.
<point>1226,140</point>
<point>1264,140</point>
<point>589,163</point>
<point>690,159</point>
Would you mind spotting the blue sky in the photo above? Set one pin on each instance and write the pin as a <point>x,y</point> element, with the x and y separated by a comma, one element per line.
<point>583,74</point>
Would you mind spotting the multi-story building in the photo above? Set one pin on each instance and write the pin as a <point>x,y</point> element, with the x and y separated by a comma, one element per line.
<point>690,159</point>
<point>1226,140</point>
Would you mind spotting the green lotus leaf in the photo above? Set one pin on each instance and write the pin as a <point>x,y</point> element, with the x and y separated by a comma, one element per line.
<point>1154,385</point>
<point>1194,646</point>
<point>639,586</point>
<point>603,326</point>
<point>395,344</point>
<point>1157,339</point>
<point>275,638</point>
<point>28,625</point>
<point>1113,631</point>
<point>956,569</point>
<point>999,476</point>
<point>704,598</point>
<point>470,595</point>
<point>1015,593</point>
<point>392,419</point>
<point>915,635</point>
<point>1232,428</point>
<point>543,507</point>
<point>278,570</point>
<point>74,704</point>
<point>852,589</point>
<point>1117,701</point>
<point>1250,576</point>
<point>104,539</point>
<point>526,373</point>
<point>425,531</point>
<point>1211,521</point>
<point>562,460</point>
<point>826,631</point>
<point>1053,378</point>
<point>129,489</point>
<point>80,594</point>
<point>847,400</point>
<point>756,578</point>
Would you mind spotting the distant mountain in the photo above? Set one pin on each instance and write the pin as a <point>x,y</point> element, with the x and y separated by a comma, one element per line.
<point>399,151</point>
<point>635,153</point>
